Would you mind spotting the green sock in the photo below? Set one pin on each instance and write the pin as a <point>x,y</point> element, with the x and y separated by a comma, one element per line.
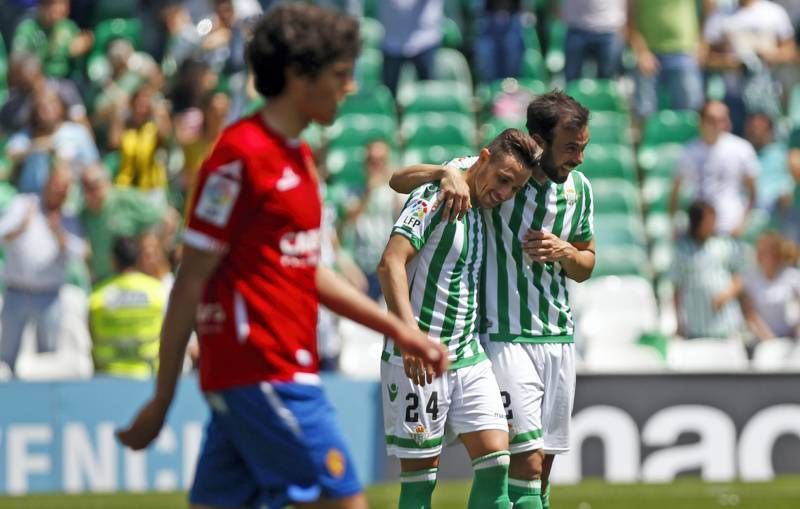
<point>490,484</point>
<point>525,494</point>
<point>416,489</point>
<point>546,497</point>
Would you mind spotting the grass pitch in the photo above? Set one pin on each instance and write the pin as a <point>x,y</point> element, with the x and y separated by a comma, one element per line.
<point>783,493</point>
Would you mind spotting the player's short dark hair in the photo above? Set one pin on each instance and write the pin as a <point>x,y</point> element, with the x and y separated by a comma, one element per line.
<point>517,144</point>
<point>125,251</point>
<point>301,36</point>
<point>547,110</point>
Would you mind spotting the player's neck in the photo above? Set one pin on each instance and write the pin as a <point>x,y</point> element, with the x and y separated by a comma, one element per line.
<point>469,177</point>
<point>538,175</point>
<point>281,116</point>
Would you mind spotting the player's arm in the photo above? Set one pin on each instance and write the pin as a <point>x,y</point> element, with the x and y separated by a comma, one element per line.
<point>197,266</point>
<point>577,258</point>
<point>342,298</point>
<point>454,196</point>
<point>394,283</point>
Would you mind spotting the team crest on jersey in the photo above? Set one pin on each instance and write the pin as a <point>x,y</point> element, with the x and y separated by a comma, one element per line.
<point>219,194</point>
<point>419,435</point>
<point>570,194</point>
<point>335,463</point>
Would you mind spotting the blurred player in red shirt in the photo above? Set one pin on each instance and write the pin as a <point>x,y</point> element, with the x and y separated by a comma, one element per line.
<point>250,284</point>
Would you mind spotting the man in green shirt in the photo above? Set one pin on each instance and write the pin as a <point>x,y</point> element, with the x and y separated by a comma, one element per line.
<point>53,37</point>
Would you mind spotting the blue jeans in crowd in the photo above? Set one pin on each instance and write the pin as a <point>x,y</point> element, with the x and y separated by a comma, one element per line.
<point>424,63</point>
<point>679,76</point>
<point>21,307</point>
<point>604,48</point>
<point>499,46</point>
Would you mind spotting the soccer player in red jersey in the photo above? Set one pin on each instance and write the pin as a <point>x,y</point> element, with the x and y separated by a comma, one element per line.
<point>250,284</point>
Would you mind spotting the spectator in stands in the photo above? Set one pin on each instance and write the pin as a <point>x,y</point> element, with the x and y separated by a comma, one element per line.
<point>39,240</point>
<point>50,135</point>
<point>125,315</point>
<point>153,260</point>
<point>182,39</point>
<point>665,36</point>
<point>139,132</point>
<point>499,46</point>
<point>774,180</point>
<point>720,168</point>
<point>706,274</point>
<point>788,216</point>
<point>413,34</point>
<point>369,218</point>
<point>772,289</point>
<point>223,45</point>
<point>595,29</point>
<point>746,44</point>
<point>110,212</point>
<point>25,79</point>
<point>53,37</point>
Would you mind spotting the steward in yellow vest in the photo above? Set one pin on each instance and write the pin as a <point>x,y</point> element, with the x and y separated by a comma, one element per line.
<point>126,312</point>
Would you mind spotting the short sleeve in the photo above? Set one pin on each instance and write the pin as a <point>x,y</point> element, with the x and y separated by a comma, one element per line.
<point>14,214</point>
<point>783,24</point>
<point>750,164</point>
<point>417,219</point>
<point>218,203</point>
<point>584,231</point>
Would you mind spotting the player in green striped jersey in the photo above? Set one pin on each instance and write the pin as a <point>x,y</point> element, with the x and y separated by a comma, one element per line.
<point>430,273</point>
<point>534,243</point>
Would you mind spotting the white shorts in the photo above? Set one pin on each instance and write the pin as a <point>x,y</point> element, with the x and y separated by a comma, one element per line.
<point>537,385</point>
<point>466,399</point>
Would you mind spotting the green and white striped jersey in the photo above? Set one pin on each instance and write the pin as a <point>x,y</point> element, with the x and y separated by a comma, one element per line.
<point>524,301</point>
<point>443,277</point>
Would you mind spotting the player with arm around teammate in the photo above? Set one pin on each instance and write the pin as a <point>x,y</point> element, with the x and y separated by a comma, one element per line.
<point>430,275</point>
<point>250,284</point>
<point>535,242</point>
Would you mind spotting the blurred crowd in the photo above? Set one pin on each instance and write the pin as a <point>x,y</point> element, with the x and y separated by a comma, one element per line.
<point>108,109</point>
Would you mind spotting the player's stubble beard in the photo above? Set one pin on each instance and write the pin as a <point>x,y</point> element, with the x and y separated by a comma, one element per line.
<point>548,167</point>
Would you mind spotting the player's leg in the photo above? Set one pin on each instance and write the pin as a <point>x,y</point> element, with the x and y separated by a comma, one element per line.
<point>548,465</point>
<point>414,420</point>
<point>517,367</point>
<point>478,417</point>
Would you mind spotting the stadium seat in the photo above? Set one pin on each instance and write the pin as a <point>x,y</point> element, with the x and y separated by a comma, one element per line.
<point>495,126</point>
<point>3,72</point>
<point>706,355</point>
<point>451,65</point>
<point>619,230</point>
<point>361,351</point>
<point>670,126</point>
<point>435,154</point>
<point>609,162</point>
<point>374,100</point>
<point>615,196</point>
<point>622,261</point>
<point>97,66</point>
<point>597,95</point>
<point>603,309</point>
<point>451,35</point>
<point>102,11</point>
<point>659,160</point>
<point>533,66</point>
<point>369,66</point>
<point>529,36</point>
<point>661,255</point>
<point>345,166</point>
<point>622,358</point>
<point>794,105</point>
<point>772,355</point>
<point>609,128</point>
<point>427,129</point>
<point>358,130</point>
<point>557,35</point>
<point>372,32</point>
<point>439,96</point>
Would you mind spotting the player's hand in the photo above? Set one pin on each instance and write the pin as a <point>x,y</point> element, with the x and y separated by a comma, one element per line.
<point>419,372</point>
<point>454,197</point>
<point>432,354</point>
<point>543,246</point>
<point>145,427</point>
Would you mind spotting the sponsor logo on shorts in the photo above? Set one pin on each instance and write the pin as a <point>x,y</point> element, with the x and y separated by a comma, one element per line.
<point>419,435</point>
<point>334,462</point>
<point>392,388</point>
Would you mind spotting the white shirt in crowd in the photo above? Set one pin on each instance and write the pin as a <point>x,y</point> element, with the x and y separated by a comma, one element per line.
<point>598,16</point>
<point>776,300</point>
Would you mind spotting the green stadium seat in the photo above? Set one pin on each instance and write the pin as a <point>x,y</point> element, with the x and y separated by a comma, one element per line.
<point>529,36</point>
<point>345,166</point>
<point>659,161</point>
<point>451,35</point>
<point>619,229</point>
<point>597,95</point>
<point>374,100</point>
<point>435,96</point>
<point>370,8</point>
<point>435,154</point>
<point>658,226</point>
<point>97,66</point>
<point>428,129</point>
<point>102,11</point>
<point>356,130</point>
<point>661,256</point>
<point>372,32</point>
<point>533,66</point>
<point>794,105</point>
<point>616,196</point>
<point>451,65</point>
<point>369,67</point>
<point>557,36</point>
<point>656,195</point>
<point>313,135</point>
<point>670,126</point>
<point>622,261</point>
<point>7,193</point>
<point>495,126</point>
<point>609,127</point>
<point>3,71</point>
<point>609,162</point>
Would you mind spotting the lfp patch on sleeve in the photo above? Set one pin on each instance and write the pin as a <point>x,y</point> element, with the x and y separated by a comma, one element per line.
<point>218,197</point>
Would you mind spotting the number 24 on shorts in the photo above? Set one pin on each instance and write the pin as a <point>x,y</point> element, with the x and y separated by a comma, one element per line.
<point>432,407</point>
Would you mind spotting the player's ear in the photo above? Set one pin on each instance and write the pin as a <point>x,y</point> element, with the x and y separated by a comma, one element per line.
<point>484,155</point>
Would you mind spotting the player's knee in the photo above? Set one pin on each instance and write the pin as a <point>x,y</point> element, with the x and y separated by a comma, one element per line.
<point>527,465</point>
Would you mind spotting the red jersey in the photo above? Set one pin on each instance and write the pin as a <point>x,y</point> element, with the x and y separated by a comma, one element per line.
<point>258,202</point>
